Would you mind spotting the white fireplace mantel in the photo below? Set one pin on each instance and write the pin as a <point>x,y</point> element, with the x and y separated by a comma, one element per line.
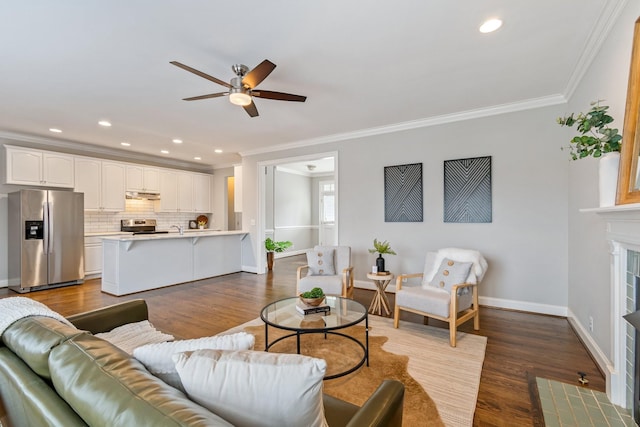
<point>622,233</point>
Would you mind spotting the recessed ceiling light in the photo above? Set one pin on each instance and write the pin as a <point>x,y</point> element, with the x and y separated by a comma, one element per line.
<point>55,130</point>
<point>164,151</point>
<point>104,123</point>
<point>197,158</point>
<point>126,144</point>
<point>490,25</point>
<point>177,141</point>
<point>217,151</point>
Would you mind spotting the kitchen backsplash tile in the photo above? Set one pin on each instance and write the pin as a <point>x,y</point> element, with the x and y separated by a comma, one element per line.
<point>95,222</point>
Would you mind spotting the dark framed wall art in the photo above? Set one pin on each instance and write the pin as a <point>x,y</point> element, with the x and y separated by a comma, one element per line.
<point>467,190</point>
<point>403,193</point>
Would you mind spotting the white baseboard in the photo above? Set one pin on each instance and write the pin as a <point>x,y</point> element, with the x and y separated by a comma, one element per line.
<point>249,269</point>
<point>4,283</point>
<point>533,307</point>
<point>598,355</point>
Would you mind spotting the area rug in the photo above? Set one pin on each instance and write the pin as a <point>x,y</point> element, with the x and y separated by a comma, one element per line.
<point>449,376</point>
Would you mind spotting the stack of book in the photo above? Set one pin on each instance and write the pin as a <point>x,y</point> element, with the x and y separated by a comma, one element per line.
<point>305,309</point>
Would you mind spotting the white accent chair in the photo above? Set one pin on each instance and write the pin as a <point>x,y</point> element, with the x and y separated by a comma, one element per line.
<point>448,292</point>
<point>340,283</point>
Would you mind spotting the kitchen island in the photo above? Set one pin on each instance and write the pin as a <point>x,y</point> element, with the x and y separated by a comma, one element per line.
<point>135,263</point>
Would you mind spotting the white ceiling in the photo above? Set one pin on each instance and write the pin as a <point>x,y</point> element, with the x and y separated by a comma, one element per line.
<point>362,65</point>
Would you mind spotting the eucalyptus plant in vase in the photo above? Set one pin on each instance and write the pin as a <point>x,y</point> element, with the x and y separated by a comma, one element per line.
<point>597,139</point>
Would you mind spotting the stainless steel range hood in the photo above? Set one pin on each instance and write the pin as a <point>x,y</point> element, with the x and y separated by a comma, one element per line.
<point>142,195</point>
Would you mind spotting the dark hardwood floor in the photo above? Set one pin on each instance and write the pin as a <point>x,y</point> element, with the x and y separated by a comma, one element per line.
<point>520,345</point>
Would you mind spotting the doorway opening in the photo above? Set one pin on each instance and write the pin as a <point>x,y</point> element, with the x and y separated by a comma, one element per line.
<point>298,202</point>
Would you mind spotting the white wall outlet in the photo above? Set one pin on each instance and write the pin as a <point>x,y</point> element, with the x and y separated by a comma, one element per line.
<point>404,280</point>
<point>590,323</point>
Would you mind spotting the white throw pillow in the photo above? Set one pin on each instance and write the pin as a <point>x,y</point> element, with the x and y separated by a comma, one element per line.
<point>451,273</point>
<point>128,337</point>
<point>157,357</point>
<point>254,388</point>
<point>320,262</point>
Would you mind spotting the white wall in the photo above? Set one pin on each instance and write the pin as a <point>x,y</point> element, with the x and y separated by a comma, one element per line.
<point>292,209</point>
<point>588,249</point>
<point>526,244</point>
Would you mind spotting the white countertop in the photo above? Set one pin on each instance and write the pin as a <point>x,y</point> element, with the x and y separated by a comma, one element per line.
<point>188,234</point>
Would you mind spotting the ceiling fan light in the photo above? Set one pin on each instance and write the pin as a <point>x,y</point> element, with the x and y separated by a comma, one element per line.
<point>240,98</point>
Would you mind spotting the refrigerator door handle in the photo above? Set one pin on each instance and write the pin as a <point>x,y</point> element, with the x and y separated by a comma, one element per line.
<point>45,237</point>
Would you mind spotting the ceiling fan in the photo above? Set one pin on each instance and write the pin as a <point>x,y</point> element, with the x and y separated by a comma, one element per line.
<point>242,88</point>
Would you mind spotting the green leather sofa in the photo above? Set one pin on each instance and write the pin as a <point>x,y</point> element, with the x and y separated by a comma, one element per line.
<point>54,375</point>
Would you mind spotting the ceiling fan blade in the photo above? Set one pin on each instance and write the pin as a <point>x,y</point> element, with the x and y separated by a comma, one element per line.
<point>201,74</point>
<point>258,74</point>
<point>280,96</point>
<point>211,95</point>
<point>251,109</point>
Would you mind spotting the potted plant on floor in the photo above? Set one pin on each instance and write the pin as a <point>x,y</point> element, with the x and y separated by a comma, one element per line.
<point>381,248</point>
<point>598,140</point>
<point>272,246</point>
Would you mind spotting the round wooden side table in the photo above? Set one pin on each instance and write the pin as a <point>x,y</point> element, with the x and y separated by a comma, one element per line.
<point>380,300</point>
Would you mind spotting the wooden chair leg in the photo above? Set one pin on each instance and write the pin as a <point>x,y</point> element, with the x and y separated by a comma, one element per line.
<point>452,334</point>
<point>476,321</point>
<point>396,316</point>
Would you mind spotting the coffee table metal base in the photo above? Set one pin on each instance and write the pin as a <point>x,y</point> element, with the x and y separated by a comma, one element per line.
<point>297,334</point>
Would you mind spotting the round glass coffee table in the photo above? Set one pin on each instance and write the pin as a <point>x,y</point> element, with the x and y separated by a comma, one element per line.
<point>343,313</point>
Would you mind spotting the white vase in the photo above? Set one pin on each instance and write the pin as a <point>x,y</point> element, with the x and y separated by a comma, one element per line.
<point>608,178</point>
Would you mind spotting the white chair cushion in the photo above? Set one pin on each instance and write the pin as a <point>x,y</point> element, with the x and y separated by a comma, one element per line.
<point>431,300</point>
<point>157,358</point>
<point>321,262</point>
<point>331,285</point>
<point>450,273</point>
<point>254,388</point>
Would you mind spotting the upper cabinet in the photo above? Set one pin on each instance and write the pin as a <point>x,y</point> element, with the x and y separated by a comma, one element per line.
<point>40,168</point>
<point>102,182</point>
<point>143,179</point>
<point>202,193</point>
<point>184,192</point>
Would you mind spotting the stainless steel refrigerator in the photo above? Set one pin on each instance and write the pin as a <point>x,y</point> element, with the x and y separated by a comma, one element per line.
<point>46,239</point>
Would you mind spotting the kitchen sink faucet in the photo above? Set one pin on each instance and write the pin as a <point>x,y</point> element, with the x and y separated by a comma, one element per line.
<point>180,229</point>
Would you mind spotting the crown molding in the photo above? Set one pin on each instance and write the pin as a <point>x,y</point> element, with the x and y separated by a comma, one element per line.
<point>607,18</point>
<point>84,149</point>
<point>415,124</point>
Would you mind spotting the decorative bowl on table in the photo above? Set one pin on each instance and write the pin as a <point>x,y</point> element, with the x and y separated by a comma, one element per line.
<point>314,302</point>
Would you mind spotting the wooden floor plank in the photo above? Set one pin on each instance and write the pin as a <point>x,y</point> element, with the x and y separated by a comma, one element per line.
<point>520,345</point>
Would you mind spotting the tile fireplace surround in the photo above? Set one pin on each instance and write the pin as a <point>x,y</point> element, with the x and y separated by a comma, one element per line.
<point>623,236</point>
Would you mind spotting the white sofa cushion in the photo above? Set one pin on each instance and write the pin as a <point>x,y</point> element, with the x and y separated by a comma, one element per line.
<point>254,388</point>
<point>157,358</point>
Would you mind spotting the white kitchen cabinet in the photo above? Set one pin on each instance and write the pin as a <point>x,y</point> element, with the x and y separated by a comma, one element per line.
<point>102,182</point>
<point>185,192</point>
<point>202,193</point>
<point>142,178</point>
<point>168,192</point>
<point>92,256</point>
<point>27,166</point>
